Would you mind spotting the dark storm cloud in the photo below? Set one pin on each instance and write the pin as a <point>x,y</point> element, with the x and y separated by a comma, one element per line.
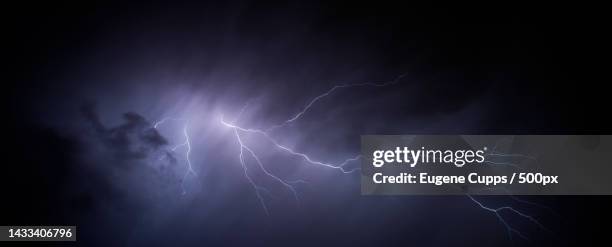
<point>132,156</point>
<point>135,138</point>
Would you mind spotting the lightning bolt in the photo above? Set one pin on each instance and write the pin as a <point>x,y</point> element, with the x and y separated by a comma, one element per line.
<point>246,174</point>
<point>266,133</point>
<point>186,143</point>
<point>330,91</point>
<point>497,211</point>
<point>305,157</point>
<point>245,150</point>
<point>261,166</point>
<point>292,152</point>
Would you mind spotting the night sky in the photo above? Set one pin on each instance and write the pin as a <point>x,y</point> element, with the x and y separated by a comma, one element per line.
<point>87,83</point>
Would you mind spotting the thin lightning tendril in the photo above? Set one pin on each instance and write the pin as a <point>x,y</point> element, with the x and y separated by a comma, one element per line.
<point>330,91</point>
<point>261,166</point>
<point>246,174</point>
<point>497,211</point>
<point>186,144</point>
